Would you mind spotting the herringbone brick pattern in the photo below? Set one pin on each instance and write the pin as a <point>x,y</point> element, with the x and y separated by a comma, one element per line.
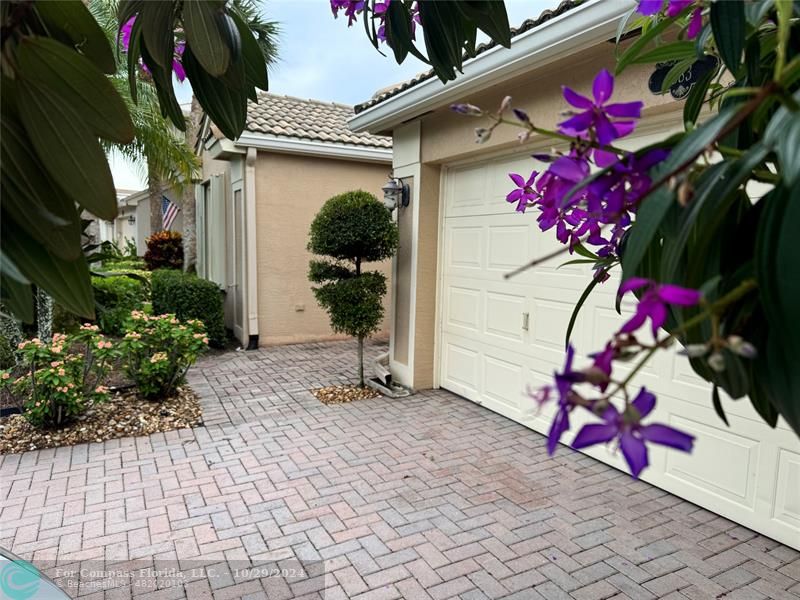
<point>425,497</point>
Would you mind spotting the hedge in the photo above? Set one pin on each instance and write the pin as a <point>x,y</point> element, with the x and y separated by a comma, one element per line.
<point>190,297</point>
<point>115,297</point>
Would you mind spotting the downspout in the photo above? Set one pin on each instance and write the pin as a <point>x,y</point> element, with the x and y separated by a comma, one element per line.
<point>251,254</point>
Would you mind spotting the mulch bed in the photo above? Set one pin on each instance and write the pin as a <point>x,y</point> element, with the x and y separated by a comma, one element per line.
<point>340,394</point>
<point>124,415</point>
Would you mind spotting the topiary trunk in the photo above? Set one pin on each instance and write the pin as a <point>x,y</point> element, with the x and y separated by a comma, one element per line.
<point>361,361</point>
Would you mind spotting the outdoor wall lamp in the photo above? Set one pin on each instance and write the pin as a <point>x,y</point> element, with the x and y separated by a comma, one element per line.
<point>131,220</point>
<point>395,194</point>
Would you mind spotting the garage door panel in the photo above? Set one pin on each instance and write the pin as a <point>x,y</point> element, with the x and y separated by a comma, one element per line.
<point>504,316</point>
<point>465,247</point>
<point>464,307</point>
<point>702,469</point>
<point>509,246</point>
<point>787,504</point>
<point>462,365</point>
<point>746,472</point>
<point>503,381</point>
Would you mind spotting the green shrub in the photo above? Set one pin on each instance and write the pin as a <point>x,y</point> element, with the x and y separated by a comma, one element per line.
<point>124,264</point>
<point>190,297</point>
<point>164,251</point>
<point>115,297</point>
<point>351,229</point>
<point>159,350</point>
<point>6,353</point>
<point>63,378</point>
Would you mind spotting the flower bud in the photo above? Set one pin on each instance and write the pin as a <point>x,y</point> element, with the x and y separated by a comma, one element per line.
<point>521,115</point>
<point>717,362</point>
<point>504,105</point>
<point>694,350</point>
<point>523,136</point>
<point>741,347</point>
<point>595,376</point>
<point>482,134</point>
<point>685,193</point>
<point>467,109</point>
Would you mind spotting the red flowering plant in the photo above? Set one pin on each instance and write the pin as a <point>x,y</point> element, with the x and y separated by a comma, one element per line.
<point>63,378</point>
<point>712,268</point>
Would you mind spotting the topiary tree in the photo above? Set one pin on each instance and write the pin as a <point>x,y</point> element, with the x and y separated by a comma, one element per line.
<point>351,229</point>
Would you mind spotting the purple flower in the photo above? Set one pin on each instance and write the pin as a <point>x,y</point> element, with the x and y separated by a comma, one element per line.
<point>654,302</point>
<point>596,114</point>
<point>602,362</point>
<point>674,8</point>
<point>524,192</point>
<point>564,382</point>
<point>177,67</point>
<point>632,435</point>
<point>351,9</point>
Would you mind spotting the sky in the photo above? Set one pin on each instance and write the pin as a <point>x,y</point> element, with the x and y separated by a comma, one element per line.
<point>321,58</point>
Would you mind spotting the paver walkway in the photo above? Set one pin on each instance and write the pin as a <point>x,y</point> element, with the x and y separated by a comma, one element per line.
<point>425,497</point>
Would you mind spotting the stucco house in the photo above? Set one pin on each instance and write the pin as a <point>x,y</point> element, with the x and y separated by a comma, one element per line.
<point>457,323</point>
<point>255,204</point>
<point>133,219</point>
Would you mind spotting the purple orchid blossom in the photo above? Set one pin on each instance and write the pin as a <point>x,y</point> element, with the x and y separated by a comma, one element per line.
<point>177,66</point>
<point>597,113</point>
<point>654,302</point>
<point>351,9</point>
<point>564,382</point>
<point>632,435</point>
<point>524,193</point>
<point>674,8</point>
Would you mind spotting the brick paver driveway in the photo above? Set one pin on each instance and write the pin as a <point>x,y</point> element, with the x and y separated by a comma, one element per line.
<point>428,496</point>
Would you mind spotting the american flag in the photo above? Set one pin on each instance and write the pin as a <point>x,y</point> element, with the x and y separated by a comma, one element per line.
<point>169,210</point>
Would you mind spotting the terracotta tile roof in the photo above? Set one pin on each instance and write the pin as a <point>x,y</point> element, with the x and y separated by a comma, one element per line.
<point>527,25</point>
<point>295,118</point>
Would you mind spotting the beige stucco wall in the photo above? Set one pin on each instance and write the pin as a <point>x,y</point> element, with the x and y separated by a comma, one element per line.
<point>446,137</point>
<point>290,190</point>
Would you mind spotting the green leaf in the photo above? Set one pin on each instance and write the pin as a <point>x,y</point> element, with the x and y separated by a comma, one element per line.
<point>581,250</point>
<point>68,149</point>
<point>201,20</point>
<point>776,259</point>
<point>127,9</point>
<point>728,24</point>
<point>695,99</point>
<point>74,19</point>
<point>75,81</point>
<point>165,91</point>
<point>490,17</point>
<point>759,395</point>
<point>16,296</point>
<point>33,202</point>
<point>675,72</point>
<point>226,107</point>
<point>254,65</point>
<point>644,229</point>
<point>655,206</point>
<point>158,22</point>
<point>398,31</point>
<point>67,281</point>
<point>443,36</point>
<point>134,52</point>
<point>638,46</point>
<point>711,202</point>
<point>783,133</point>
<point>574,316</point>
<point>718,405</point>
<point>671,51</point>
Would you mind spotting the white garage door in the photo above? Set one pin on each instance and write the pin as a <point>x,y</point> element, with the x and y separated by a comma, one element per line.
<point>748,472</point>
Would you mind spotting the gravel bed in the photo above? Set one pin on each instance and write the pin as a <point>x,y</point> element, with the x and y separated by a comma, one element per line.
<point>125,415</point>
<point>339,394</point>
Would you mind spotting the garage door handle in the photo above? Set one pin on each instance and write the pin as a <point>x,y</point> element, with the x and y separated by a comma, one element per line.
<point>526,317</point>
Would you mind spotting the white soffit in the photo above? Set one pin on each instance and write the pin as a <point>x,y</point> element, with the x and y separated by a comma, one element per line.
<point>578,29</point>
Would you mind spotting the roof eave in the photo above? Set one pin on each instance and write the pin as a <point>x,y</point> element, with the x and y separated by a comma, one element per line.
<point>578,29</point>
<point>272,143</point>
